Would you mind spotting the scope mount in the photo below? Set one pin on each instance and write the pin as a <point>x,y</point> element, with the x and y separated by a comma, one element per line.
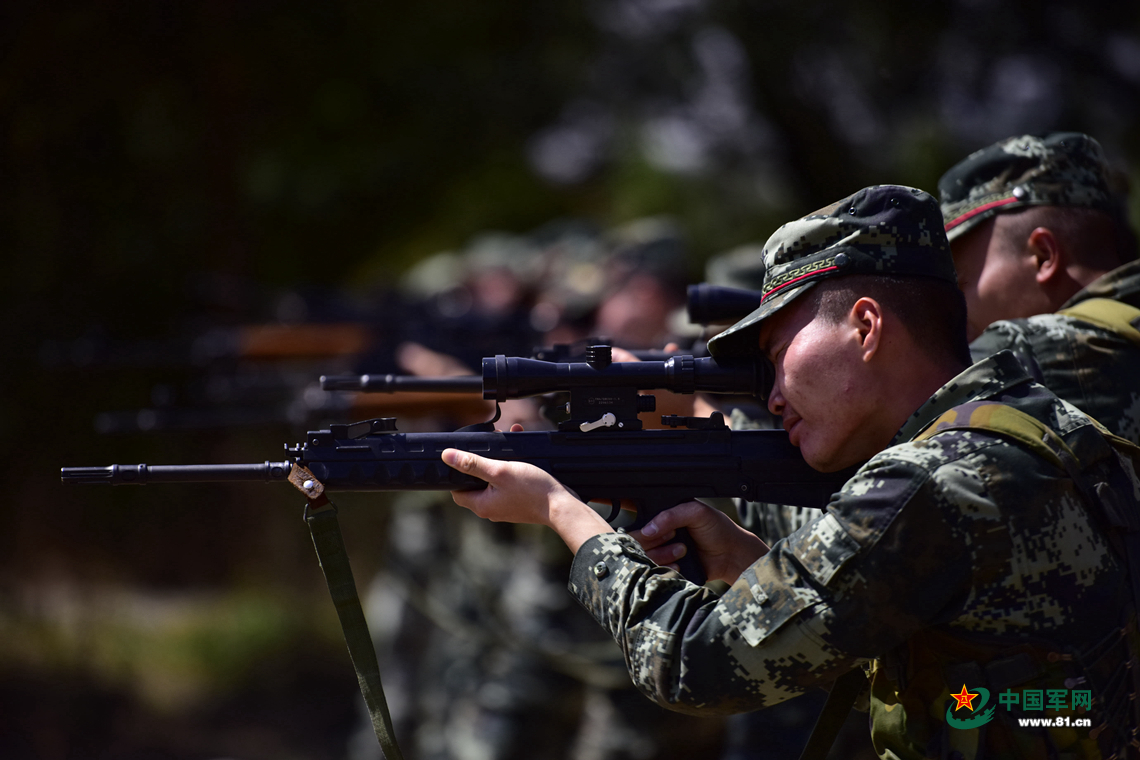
<point>590,404</point>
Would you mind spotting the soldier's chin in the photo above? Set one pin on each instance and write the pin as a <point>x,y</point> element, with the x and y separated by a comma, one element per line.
<point>812,456</point>
<point>824,461</point>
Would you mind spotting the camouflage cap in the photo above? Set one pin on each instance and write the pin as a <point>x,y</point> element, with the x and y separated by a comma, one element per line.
<point>886,230</point>
<point>1059,169</point>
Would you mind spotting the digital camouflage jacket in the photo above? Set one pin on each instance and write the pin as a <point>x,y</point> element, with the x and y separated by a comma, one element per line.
<point>963,560</point>
<point>1094,368</point>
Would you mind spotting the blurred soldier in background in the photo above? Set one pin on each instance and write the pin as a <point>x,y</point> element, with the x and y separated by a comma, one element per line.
<point>485,654</point>
<point>1047,261</point>
<point>646,273</point>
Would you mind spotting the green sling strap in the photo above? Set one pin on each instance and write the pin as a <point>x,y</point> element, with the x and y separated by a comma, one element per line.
<point>844,692</point>
<point>320,515</point>
<point>1115,316</point>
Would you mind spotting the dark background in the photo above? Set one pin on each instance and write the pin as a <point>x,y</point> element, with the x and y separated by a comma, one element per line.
<point>167,167</point>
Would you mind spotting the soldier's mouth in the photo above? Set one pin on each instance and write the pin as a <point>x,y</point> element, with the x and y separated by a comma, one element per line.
<point>791,422</point>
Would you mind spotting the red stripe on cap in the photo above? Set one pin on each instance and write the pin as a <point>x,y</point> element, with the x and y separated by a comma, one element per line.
<point>797,279</point>
<point>985,207</point>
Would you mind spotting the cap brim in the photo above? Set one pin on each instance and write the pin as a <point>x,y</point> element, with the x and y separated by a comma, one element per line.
<point>972,219</point>
<point>959,230</point>
<point>743,338</point>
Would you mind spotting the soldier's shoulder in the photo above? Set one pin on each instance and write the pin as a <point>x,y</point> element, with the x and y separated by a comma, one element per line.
<point>930,454</point>
<point>1041,335</point>
<point>978,434</point>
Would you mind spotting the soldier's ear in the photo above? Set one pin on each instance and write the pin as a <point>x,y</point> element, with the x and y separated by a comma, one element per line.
<point>866,317</point>
<point>1048,255</point>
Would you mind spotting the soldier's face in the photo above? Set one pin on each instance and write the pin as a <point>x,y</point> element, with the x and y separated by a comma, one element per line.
<point>998,279</point>
<point>821,387</point>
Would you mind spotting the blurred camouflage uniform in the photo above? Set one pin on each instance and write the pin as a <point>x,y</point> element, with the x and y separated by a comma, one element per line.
<point>485,655</point>
<point>974,550</point>
<point>1090,359</point>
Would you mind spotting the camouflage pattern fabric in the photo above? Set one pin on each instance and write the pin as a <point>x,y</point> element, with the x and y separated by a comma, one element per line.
<point>1094,368</point>
<point>941,559</point>
<point>1060,169</point>
<point>486,657</point>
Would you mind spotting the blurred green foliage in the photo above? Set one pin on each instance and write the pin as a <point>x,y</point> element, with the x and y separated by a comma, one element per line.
<point>176,651</point>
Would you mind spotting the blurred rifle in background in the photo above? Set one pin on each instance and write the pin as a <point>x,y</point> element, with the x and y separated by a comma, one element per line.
<point>256,395</point>
<point>719,305</point>
<point>262,374</point>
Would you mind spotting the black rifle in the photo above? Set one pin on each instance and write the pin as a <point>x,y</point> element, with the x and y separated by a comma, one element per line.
<point>559,353</point>
<point>599,451</point>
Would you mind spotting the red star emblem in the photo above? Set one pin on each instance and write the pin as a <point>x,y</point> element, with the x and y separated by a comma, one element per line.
<point>965,699</point>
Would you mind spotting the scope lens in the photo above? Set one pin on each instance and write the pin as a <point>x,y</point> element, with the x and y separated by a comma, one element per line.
<point>766,379</point>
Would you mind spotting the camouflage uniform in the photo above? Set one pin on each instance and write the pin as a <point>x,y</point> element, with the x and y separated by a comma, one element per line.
<point>929,549</point>
<point>1096,367</point>
<point>960,555</point>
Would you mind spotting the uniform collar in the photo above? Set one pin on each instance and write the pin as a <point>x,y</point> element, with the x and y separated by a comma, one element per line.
<point>1121,284</point>
<point>989,377</point>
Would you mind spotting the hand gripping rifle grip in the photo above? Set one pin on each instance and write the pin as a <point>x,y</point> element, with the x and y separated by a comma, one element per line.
<point>690,565</point>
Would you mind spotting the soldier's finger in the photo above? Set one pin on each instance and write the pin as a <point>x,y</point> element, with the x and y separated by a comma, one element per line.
<point>472,464</point>
<point>622,355</point>
<point>478,502</point>
<point>654,540</point>
<point>671,519</point>
<point>667,554</point>
<point>463,498</point>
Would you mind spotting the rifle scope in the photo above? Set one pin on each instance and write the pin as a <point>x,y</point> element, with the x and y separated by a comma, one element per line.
<point>717,305</point>
<point>506,377</point>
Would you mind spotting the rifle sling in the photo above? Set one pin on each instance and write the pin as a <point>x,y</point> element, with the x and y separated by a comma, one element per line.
<point>839,702</point>
<point>320,515</point>
<point>1114,316</point>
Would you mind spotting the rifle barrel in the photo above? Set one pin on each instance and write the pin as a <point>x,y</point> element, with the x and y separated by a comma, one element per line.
<point>400,383</point>
<point>141,474</point>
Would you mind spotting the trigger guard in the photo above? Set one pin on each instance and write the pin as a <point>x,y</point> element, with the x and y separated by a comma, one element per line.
<point>615,508</point>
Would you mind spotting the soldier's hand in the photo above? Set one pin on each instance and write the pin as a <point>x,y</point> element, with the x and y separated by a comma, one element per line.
<point>519,492</point>
<point>420,360</point>
<point>726,549</point>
